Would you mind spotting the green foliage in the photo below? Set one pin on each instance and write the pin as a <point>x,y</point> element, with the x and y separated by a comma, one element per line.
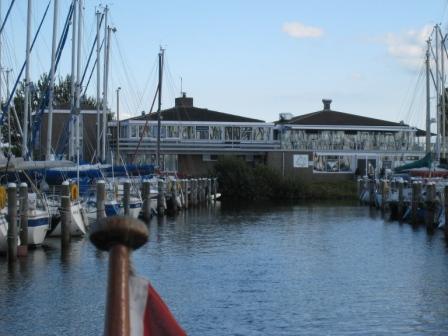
<point>239,181</point>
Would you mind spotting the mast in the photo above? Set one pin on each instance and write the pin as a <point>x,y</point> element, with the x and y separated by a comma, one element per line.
<point>8,108</point>
<point>118,125</point>
<point>78,87</point>
<point>1,68</point>
<point>51,84</point>
<point>159,108</point>
<point>26,106</point>
<point>438,93</point>
<point>72,119</point>
<point>98,86</point>
<point>442,109</point>
<point>106,46</point>
<point>428,98</point>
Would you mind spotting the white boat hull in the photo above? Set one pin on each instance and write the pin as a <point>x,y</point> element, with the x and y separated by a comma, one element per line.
<point>79,222</point>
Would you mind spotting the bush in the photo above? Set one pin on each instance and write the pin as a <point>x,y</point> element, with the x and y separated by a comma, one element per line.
<point>239,181</point>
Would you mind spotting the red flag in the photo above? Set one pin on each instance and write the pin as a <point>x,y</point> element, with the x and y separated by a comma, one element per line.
<point>149,315</point>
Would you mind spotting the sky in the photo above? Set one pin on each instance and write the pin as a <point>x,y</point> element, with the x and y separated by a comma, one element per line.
<point>252,58</point>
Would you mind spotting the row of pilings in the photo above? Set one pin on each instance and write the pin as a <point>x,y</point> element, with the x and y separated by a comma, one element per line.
<point>419,202</point>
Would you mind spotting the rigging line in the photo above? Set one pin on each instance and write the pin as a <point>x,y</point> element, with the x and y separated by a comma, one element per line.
<point>91,51</point>
<point>151,73</point>
<point>127,71</point>
<point>24,63</point>
<point>6,16</point>
<point>420,76</point>
<point>91,72</point>
<point>145,128</point>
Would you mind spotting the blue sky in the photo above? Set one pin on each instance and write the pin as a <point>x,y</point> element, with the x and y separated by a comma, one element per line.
<point>257,58</point>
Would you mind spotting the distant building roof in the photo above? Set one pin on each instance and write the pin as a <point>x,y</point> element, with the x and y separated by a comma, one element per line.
<point>185,111</point>
<point>328,117</point>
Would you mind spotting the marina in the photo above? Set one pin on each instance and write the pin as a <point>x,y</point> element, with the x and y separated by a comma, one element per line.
<point>246,175</point>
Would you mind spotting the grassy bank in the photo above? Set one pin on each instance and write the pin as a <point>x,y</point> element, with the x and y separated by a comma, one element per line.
<point>237,180</point>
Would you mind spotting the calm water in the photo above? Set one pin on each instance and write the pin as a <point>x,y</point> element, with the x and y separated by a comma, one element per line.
<point>280,270</point>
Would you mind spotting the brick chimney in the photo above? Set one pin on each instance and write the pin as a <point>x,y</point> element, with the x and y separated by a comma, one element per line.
<point>184,101</point>
<point>327,104</point>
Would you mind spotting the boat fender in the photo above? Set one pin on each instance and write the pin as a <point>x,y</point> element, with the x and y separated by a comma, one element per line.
<point>3,197</point>
<point>74,192</point>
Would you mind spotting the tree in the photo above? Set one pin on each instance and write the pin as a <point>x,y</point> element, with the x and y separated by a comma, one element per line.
<point>38,99</point>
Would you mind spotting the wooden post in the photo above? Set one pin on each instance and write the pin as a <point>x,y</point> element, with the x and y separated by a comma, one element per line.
<point>66,217</point>
<point>100,200</point>
<point>160,198</point>
<point>146,194</point>
<point>209,189</point>
<point>118,235</point>
<point>12,222</point>
<point>430,205</point>
<point>186,193</point>
<point>23,191</point>
<point>416,191</point>
<point>372,193</point>
<point>126,197</point>
<point>400,209</point>
<point>215,188</point>
<point>446,210</point>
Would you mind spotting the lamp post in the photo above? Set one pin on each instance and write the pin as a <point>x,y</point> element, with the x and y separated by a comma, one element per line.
<point>118,124</point>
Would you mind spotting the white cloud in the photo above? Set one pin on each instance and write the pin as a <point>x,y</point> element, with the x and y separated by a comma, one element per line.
<point>408,47</point>
<point>356,76</point>
<point>299,30</point>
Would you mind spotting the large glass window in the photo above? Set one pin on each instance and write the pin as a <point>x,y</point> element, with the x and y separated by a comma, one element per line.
<point>259,133</point>
<point>133,131</point>
<point>236,133</point>
<point>188,132</point>
<point>173,131</point>
<point>202,132</point>
<point>246,133</point>
<point>215,133</point>
<point>332,163</point>
<point>228,133</point>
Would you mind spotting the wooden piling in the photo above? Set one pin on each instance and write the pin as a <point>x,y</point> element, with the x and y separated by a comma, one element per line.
<point>372,184</point>
<point>215,188</point>
<point>430,205</point>
<point>100,200</point>
<point>209,190</point>
<point>66,217</point>
<point>400,210</point>
<point>160,198</point>
<point>119,236</point>
<point>445,191</point>
<point>186,193</point>
<point>416,193</point>
<point>126,197</point>
<point>23,192</point>
<point>12,222</point>
<point>146,194</point>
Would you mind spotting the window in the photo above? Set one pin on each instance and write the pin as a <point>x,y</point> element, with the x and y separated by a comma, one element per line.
<point>215,133</point>
<point>173,131</point>
<point>188,132</point>
<point>332,163</point>
<point>259,133</point>
<point>236,133</point>
<point>228,133</point>
<point>202,132</point>
<point>246,133</point>
<point>133,131</point>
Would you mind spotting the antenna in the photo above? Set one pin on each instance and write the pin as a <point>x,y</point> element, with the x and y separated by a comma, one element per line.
<point>181,85</point>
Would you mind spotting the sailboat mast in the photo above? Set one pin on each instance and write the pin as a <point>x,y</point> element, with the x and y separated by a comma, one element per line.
<point>26,106</point>
<point>51,84</point>
<point>78,86</point>
<point>428,98</point>
<point>98,86</point>
<point>442,109</point>
<point>72,119</point>
<point>437,92</point>
<point>8,108</point>
<point>106,46</point>
<point>1,69</point>
<point>159,108</point>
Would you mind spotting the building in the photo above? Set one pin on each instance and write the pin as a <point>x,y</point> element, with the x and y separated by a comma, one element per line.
<point>339,143</point>
<point>193,138</point>
<point>320,145</point>
<point>59,140</point>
